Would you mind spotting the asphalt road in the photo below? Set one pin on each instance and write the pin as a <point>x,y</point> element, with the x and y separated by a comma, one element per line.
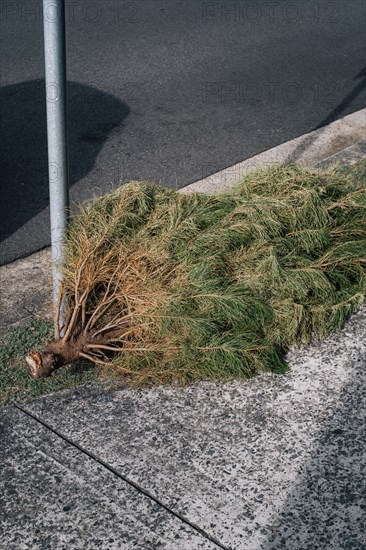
<point>168,91</point>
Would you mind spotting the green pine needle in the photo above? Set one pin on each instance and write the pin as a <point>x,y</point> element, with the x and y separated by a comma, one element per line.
<point>220,286</point>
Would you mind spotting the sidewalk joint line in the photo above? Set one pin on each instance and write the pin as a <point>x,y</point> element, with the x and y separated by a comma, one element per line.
<point>133,484</point>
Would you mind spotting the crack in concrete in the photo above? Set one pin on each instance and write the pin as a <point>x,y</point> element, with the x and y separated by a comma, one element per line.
<point>136,486</point>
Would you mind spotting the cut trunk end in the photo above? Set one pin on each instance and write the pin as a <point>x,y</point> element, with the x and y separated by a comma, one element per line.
<point>57,354</point>
<point>41,365</point>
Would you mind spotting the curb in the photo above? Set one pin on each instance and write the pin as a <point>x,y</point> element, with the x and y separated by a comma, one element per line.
<point>25,284</point>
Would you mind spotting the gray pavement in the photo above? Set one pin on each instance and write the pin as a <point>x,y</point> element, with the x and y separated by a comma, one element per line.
<point>274,462</point>
<point>265,464</point>
<point>55,496</point>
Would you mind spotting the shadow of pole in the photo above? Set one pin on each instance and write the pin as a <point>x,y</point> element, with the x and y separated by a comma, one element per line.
<point>93,116</point>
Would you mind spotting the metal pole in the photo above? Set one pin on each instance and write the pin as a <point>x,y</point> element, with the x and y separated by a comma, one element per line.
<point>55,73</point>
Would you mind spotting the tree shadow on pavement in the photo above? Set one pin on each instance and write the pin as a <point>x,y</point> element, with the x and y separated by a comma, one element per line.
<point>93,116</point>
<point>308,141</point>
<point>342,106</point>
<point>327,506</point>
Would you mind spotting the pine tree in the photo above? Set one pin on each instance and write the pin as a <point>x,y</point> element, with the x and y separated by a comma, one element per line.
<point>163,286</point>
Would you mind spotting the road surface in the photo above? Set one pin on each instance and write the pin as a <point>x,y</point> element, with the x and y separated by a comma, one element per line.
<point>168,91</point>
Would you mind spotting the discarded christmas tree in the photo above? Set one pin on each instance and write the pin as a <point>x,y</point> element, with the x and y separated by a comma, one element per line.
<point>162,286</point>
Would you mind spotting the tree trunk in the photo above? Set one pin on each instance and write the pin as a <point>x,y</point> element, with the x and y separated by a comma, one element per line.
<point>56,354</point>
<point>59,353</point>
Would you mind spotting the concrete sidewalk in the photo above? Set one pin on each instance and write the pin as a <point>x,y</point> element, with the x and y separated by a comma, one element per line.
<point>274,462</point>
<point>266,464</point>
